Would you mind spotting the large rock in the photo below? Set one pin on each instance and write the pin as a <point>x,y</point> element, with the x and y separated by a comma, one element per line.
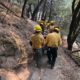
<point>14,40</point>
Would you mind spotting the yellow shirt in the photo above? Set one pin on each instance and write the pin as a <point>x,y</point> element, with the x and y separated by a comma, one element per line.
<point>53,40</point>
<point>37,41</point>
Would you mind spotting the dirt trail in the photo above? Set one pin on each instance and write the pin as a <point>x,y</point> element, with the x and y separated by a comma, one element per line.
<point>65,69</point>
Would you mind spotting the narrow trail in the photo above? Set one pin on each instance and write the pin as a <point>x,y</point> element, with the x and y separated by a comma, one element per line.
<point>65,69</point>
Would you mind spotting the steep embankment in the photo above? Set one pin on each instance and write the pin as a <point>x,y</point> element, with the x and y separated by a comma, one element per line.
<point>14,46</point>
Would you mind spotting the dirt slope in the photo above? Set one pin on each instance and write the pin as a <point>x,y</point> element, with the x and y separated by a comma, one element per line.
<point>14,46</point>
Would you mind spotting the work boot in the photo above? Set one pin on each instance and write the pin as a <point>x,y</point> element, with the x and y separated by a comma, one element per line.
<point>52,66</point>
<point>38,66</point>
<point>48,62</point>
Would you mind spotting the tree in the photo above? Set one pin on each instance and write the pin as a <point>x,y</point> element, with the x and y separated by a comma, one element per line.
<point>23,8</point>
<point>44,9</point>
<point>74,29</point>
<point>36,9</point>
<point>29,11</point>
<point>51,4</point>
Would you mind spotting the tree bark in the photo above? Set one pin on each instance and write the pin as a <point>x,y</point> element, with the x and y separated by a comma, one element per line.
<point>73,33</point>
<point>29,11</point>
<point>36,9</point>
<point>50,10</point>
<point>23,8</point>
<point>73,6</point>
<point>44,9</point>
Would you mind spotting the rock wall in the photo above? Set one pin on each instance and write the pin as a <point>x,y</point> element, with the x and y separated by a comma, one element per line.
<point>14,40</point>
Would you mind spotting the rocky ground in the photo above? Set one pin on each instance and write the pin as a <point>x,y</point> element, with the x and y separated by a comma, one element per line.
<point>64,69</point>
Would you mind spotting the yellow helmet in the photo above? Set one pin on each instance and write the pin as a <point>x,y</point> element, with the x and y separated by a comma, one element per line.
<point>42,23</point>
<point>56,26</point>
<point>37,28</point>
<point>48,24</point>
<point>57,29</point>
<point>52,22</point>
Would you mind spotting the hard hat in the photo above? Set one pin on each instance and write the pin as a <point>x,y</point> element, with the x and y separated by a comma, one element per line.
<point>37,28</point>
<point>48,24</point>
<point>52,22</point>
<point>57,29</point>
<point>56,26</point>
<point>40,22</point>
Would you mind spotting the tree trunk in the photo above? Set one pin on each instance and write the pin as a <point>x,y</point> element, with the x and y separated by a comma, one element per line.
<point>23,8</point>
<point>45,16</point>
<point>50,10</point>
<point>70,46</point>
<point>29,11</point>
<point>9,1</point>
<point>36,10</point>
<point>44,9</point>
<point>73,33</point>
<point>73,6</point>
<point>70,43</point>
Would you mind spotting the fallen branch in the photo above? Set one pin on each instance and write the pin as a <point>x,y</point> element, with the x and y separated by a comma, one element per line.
<point>78,44</point>
<point>69,53</point>
<point>75,51</point>
<point>9,9</point>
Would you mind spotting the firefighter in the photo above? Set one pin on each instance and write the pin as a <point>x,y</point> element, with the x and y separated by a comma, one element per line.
<point>56,26</point>
<point>50,25</point>
<point>42,23</point>
<point>37,42</point>
<point>53,41</point>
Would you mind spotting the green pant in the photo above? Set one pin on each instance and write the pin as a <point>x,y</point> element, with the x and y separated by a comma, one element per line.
<point>38,57</point>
